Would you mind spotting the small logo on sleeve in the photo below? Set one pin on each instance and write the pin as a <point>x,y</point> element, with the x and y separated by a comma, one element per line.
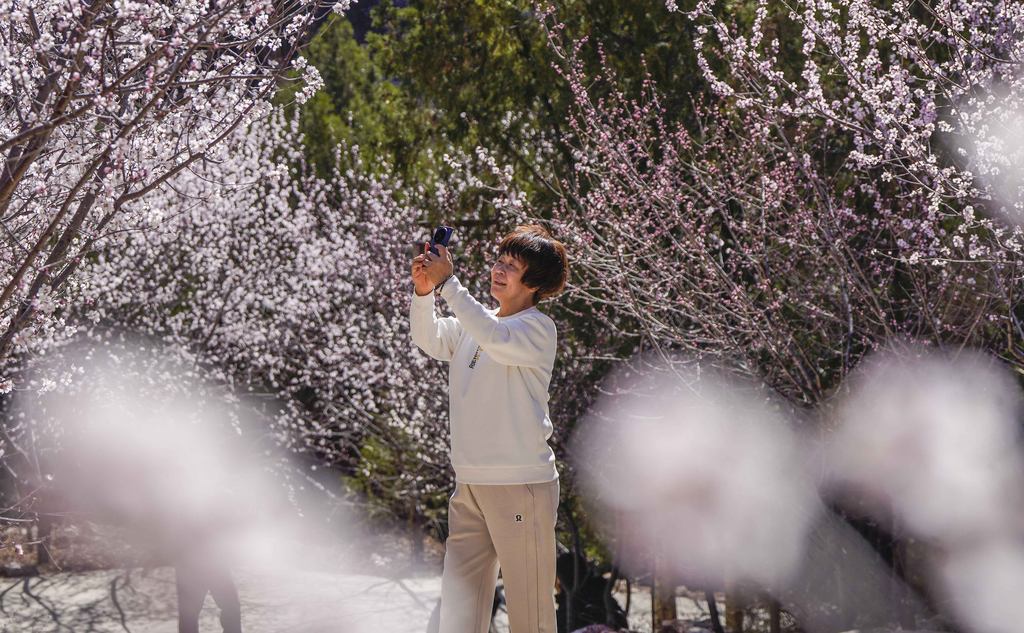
<point>519,518</point>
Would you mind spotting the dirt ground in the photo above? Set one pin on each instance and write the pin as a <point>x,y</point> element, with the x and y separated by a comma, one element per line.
<point>143,601</point>
<point>377,589</point>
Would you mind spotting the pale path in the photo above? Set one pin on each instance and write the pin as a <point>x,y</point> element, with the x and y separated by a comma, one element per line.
<point>312,602</point>
<point>298,601</point>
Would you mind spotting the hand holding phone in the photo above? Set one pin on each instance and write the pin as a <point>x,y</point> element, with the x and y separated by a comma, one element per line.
<point>441,236</point>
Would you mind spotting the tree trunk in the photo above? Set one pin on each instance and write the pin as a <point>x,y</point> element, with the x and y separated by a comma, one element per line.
<point>774,617</point>
<point>45,525</point>
<point>663,595</point>
<point>716,622</point>
<point>734,605</point>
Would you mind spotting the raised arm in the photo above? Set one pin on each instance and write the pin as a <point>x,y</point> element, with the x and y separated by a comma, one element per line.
<point>435,336</point>
<point>527,341</point>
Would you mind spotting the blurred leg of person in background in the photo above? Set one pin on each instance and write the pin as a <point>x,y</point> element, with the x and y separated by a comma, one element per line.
<point>194,580</point>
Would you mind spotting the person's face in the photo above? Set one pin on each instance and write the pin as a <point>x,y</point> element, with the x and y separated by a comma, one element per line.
<point>507,281</point>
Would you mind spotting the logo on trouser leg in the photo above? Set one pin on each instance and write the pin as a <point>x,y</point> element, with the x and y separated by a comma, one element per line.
<point>519,518</point>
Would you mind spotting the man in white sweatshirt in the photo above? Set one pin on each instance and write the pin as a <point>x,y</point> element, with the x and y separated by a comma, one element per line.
<point>503,511</point>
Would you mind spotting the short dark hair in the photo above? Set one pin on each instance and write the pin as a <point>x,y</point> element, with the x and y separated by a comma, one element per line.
<point>547,266</point>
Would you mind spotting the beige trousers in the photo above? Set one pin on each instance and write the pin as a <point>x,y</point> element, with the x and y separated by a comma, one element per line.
<point>511,527</point>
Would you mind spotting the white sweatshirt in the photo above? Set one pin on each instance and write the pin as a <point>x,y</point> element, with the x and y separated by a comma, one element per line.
<point>500,369</point>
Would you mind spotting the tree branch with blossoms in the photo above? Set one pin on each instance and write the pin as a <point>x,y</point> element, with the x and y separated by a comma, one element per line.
<point>103,103</point>
<point>752,236</point>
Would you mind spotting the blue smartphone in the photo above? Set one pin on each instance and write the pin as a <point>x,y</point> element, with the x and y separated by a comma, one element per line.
<point>441,236</point>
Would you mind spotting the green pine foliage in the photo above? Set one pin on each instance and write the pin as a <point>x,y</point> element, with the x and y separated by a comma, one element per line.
<point>438,75</point>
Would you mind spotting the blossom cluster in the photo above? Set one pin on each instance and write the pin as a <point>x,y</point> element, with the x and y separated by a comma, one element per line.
<point>915,94</point>
<point>288,292</point>
<point>103,103</point>
<point>290,289</point>
<point>787,228</point>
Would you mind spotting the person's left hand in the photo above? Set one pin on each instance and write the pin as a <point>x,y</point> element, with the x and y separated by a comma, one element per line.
<point>437,267</point>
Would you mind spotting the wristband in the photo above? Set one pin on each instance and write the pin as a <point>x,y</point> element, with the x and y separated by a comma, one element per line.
<point>438,287</point>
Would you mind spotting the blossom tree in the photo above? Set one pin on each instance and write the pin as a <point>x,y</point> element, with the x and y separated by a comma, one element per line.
<point>791,226</point>
<point>102,104</point>
<point>818,200</point>
<point>289,293</point>
<point>908,87</point>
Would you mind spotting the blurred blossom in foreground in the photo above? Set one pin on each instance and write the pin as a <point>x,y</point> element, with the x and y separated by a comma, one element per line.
<point>983,584</point>
<point>931,440</point>
<point>934,440</point>
<point>190,476</point>
<point>701,470</point>
<point>144,449</point>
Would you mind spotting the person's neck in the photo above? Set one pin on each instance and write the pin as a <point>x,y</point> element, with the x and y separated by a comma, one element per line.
<point>513,307</point>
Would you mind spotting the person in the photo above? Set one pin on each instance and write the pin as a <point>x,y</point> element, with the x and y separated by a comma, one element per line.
<point>503,510</point>
<point>196,576</point>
